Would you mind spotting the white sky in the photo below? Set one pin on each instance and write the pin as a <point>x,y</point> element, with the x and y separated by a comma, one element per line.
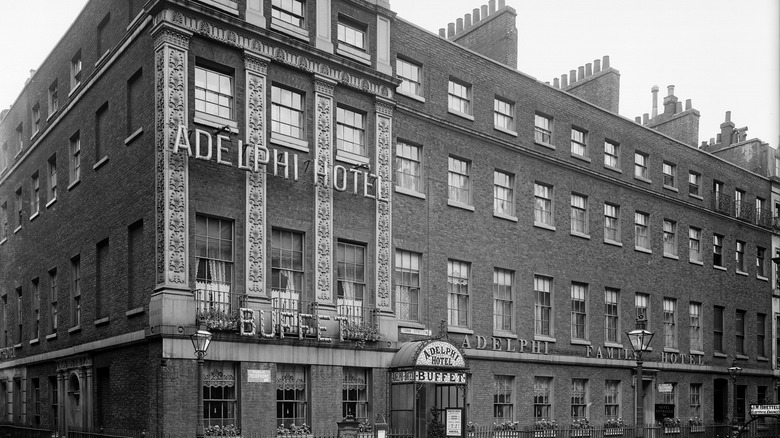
<point>724,55</point>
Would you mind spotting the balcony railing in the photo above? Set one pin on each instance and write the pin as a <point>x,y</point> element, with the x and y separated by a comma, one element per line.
<point>763,217</point>
<point>722,203</point>
<point>217,306</point>
<point>361,321</point>
<point>743,210</point>
<point>286,307</point>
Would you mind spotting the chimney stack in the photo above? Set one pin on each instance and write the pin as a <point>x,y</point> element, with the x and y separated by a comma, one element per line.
<point>484,11</point>
<point>492,6</point>
<point>588,69</point>
<point>606,62</point>
<point>467,21</point>
<point>654,90</point>
<point>596,66</point>
<point>581,72</point>
<point>450,30</point>
<point>564,81</point>
<point>475,14</point>
<point>458,25</point>
<point>556,84</point>
<point>670,89</point>
<point>688,104</point>
<point>573,76</point>
<point>501,3</point>
<point>443,32</point>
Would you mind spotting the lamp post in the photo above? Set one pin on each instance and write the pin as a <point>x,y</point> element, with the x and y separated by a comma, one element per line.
<point>200,341</point>
<point>640,340</point>
<point>734,372</point>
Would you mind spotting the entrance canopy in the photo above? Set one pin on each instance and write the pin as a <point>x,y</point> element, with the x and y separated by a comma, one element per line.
<point>431,361</point>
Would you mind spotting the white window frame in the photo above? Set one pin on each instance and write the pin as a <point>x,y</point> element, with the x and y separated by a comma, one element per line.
<point>543,129</point>
<point>459,181</point>
<point>642,231</point>
<point>694,184</point>
<point>695,333</point>
<point>411,78</point>
<point>579,142</point>
<point>611,314</point>
<point>670,174</point>
<point>694,245</point>
<point>612,215</point>
<point>543,307</point>
<point>408,168</point>
<point>458,291</point>
<point>351,135</point>
<point>641,165</point>
<point>504,115</point>
<point>670,323</point>
<point>407,281</point>
<point>503,300</point>
<point>670,238</point>
<point>579,311</point>
<point>611,154</point>
<point>207,111</point>
<point>544,208</point>
<point>459,98</point>
<point>579,214</point>
<point>75,71</point>
<point>503,194</point>
<point>287,104</point>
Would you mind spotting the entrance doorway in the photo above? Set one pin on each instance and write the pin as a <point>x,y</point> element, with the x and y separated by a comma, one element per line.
<point>721,396</point>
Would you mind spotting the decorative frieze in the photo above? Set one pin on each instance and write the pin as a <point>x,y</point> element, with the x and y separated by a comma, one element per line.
<point>384,237</point>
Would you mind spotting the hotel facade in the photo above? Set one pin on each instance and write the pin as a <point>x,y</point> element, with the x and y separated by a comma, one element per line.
<point>372,220</point>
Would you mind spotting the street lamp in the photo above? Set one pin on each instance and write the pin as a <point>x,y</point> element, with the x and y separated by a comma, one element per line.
<point>200,341</point>
<point>734,372</point>
<point>640,341</point>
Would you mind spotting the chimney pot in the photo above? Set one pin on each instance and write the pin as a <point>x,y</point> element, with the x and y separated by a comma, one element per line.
<point>459,25</point>
<point>588,69</point>
<point>573,76</point>
<point>501,4</point>
<point>443,32</point>
<point>581,72</point>
<point>556,84</point>
<point>670,90</point>
<point>450,30</point>
<point>638,119</point>
<point>728,116</point>
<point>475,14</point>
<point>688,104</point>
<point>564,81</point>
<point>645,116</point>
<point>484,11</point>
<point>492,5</point>
<point>654,90</point>
<point>606,62</point>
<point>596,66</point>
<point>712,140</point>
<point>467,19</point>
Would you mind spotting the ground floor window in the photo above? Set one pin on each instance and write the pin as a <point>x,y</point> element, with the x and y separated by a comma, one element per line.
<point>291,396</point>
<point>354,393</point>
<point>542,398</point>
<point>219,394</point>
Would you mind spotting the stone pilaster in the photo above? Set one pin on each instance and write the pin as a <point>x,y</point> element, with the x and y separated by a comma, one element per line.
<point>384,229</point>
<point>323,194</point>
<point>256,70</point>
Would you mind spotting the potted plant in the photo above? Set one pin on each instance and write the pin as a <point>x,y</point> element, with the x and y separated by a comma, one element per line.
<point>545,428</point>
<point>614,427</point>
<point>505,429</point>
<point>293,429</point>
<point>471,427</point>
<point>436,429</point>
<point>696,424</point>
<point>580,427</point>
<point>671,425</point>
<point>229,430</point>
<point>365,429</point>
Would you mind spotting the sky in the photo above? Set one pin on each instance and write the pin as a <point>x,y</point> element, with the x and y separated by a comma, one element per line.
<point>724,55</point>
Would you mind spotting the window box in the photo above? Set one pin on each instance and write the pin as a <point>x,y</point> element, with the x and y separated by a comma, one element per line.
<point>671,430</point>
<point>613,432</point>
<point>544,433</point>
<point>697,429</point>
<point>580,432</point>
<point>506,434</point>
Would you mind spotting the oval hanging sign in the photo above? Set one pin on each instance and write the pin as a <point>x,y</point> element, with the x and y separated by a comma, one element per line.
<point>440,354</point>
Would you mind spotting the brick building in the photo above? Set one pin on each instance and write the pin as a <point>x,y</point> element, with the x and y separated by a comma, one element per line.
<point>353,205</point>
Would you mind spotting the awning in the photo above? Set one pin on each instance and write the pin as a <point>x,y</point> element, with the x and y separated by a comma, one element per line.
<point>430,354</point>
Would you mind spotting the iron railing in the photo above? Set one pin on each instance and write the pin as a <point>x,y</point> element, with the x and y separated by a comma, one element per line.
<point>743,210</point>
<point>217,307</point>
<point>764,217</point>
<point>360,323</point>
<point>721,202</point>
<point>657,431</point>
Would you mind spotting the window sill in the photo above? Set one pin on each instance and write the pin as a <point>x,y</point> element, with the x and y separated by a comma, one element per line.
<point>410,95</point>
<point>213,121</point>
<point>460,205</point>
<point>289,142</point>
<point>614,169</point>
<point>100,163</point>
<point>544,338</point>
<point>5,239</point>
<point>762,359</point>
<point>410,324</point>
<point>740,357</point>
<point>504,216</point>
<point>289,29</point>
<point>34,341</point>
<point>51,202</point>
<point>460,330</point>
<point>351,158</point>
<point>718,354</point>
<point>545,144</point>
<point>352,53</point>
<point>719,268</point>
<point>613,242</point>
<point>505,131</point>
<point>504,334</point>
<point>51,336</point>
<point>74,184</point>
<point>670,188</point>
<point>228,6</point>
<point>134,312</point>
<point>102,57</point>
<point>580,157</point>
<point>102,321</point>
<point>133,136</point>
<point>49,117</point>
<point>613,345</point>
<point>643,179</point>
<point>743,273</point>
<point>671,256</point>
<point>699,352</point>
<point>17,229</point>
<point>700,198</point>
<point>19,345</point>
<point>75,329</point>
<point>34,215</point>
<point>409,192</point>
<point>544,226</point>
<point>460,114</point>
<point>696,262</point>
<point>762,278</point>
<point>73,89</point>
<point>644,250</point>
<point>671,350</point>
<point>580,342</point>
<point>580,235</point>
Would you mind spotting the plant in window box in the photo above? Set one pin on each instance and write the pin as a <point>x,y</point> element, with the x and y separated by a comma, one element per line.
<point>696,424</point>
<point>614,427</point>
<point>360,332</point>
<point>505,429</point>
<point>671,425</point>
<point>545,428</point>
<point>580,427</point>
<point>228,430</point>
<point>365,429</point>
<point>294,429</point>
<point>218,320</point>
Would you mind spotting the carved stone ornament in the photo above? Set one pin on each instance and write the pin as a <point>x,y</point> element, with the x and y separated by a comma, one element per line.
<point>74,363</point>
<point>171,169</point>
<point>323,195</point>
<point>255,181</point>
<point>384,212</point>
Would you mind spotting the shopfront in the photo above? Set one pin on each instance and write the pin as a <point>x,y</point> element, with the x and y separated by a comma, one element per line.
<point>426,375</point>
